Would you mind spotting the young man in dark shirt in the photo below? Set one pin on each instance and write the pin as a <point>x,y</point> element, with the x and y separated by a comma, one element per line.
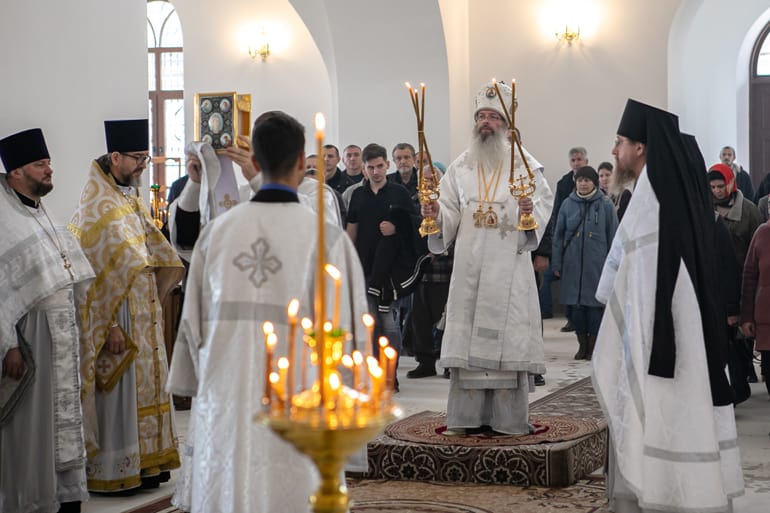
<point>381,225</point>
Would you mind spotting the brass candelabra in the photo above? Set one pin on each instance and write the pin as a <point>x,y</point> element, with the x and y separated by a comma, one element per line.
<point>427,186</point>
<point>526,186</point>
<point>158,206</point>
<point>350,399</point>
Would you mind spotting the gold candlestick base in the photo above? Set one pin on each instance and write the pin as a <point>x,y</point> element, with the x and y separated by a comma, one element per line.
<point>329,447</point>
<point>429,226</point>
<point>527,222</point>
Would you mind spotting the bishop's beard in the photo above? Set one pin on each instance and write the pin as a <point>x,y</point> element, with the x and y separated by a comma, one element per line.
<point>490,151</point>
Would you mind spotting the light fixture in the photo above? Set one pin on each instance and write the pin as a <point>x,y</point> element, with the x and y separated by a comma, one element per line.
<point>568,35</point>
<point>261,48</point>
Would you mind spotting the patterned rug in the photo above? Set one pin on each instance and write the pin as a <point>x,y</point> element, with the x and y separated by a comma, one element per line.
<point>570,444</point>
<point>586,496</point>
<point>429,427</point>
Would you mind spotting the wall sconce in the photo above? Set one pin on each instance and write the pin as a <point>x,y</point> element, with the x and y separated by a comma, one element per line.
<point>568,35</point>
<point>261,48</point>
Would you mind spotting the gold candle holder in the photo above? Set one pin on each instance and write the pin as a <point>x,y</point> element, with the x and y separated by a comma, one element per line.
<point>327,420</point>
<point>157,208</point>
<point>524,189</point>
<point>427,187</point>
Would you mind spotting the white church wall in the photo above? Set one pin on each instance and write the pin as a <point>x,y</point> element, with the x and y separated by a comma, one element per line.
<point>571,95</point>
<point>216,40</point>
<point>709,69</point>
<point>66,67</point>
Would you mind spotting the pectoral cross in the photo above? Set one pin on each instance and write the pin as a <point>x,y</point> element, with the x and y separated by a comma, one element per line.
<point>67,264</point>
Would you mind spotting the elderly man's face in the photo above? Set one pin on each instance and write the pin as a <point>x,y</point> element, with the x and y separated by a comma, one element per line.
<point>404,160</point>
<point>727,156</point>
<point>488,122</point>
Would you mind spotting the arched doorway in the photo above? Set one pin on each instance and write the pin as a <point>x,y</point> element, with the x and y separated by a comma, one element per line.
<point>759,107</point>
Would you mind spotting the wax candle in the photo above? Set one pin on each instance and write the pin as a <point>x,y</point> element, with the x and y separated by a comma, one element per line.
<point>358,359</point>
<point>337,277</point>
<point>390,369</point>
<point>368,321</point>
<point>267,329</point>
<point>291,312</point>
<point>383,343</point>
<point>320,287</point>
<point>283,371</point>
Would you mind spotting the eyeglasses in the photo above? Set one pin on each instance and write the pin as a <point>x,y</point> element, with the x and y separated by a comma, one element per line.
<point>140,159</point>
<point>491,116</point>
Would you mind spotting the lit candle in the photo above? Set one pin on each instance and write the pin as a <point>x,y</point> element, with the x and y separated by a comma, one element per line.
<point>383,343</point>
<point>358,359</point>
<point>275,385</point>
<point>368,321</point>
<point>307,326</point>
<point>320,287</point>
<point>291,311</point>
<point>337,277</point>
<point>390,369</point>
<point>348,362</point>
<point>267,329</point>
<point>334,387</point>
<point>283,371</point>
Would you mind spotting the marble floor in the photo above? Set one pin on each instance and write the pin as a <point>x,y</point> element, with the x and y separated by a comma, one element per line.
<point>753,419</point>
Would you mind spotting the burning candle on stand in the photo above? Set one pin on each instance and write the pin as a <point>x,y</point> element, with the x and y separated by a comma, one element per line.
<point>513,109</point>
<point>337,277</point>
<point>368,321</point>
<point>283,372</point>
<point>307,326</point>
<point>383,343</point>
<point>320,287</point>
<point>291,311</point>
<point>390,369</point>
<point>358,359</point>
<point>267,329</point>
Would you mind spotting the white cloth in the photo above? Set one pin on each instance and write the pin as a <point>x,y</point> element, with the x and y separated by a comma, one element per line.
<point>673,450</point>
<point>245,268</point>
<point>493,328</point>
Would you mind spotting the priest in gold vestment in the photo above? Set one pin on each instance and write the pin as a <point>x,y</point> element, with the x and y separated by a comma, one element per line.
<point>128,418</point>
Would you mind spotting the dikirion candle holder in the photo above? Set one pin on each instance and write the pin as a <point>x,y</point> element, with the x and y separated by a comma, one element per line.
<point>349,398</point>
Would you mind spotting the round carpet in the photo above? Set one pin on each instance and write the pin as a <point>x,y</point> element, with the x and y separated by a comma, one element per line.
<point>428,428</point>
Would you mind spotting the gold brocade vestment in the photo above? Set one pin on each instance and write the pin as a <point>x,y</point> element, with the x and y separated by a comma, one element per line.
<point>134,265</point>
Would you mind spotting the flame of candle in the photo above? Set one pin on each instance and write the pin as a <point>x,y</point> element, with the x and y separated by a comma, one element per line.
<point>267,327</point>
<point>372,362</point>
<point>306,323</point>
<point>383,341</point>
<point>293,308</point>
<point>320,122</point>
<point>283,363</point>
<point>358,358</point>
<point>347,361</point>
<point>376,371</point>
<point>272,340</point>
<point>333,272</point>
<point>334,381</point>
<point>390,353</point>
<point>328,327</point>
<point>408,85</point>
<point>494,80</point>
<point>368,320</point>
<point>274,378</point>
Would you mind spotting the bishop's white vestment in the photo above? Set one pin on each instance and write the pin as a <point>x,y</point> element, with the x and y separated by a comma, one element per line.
<point>493,337</point>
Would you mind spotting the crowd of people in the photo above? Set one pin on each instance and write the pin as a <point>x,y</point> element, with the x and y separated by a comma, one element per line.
<point>88,368</point>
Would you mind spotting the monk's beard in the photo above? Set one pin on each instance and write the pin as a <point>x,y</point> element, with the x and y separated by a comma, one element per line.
<point>489,152</point>
<point>620,180</point>
<point>135,181</point>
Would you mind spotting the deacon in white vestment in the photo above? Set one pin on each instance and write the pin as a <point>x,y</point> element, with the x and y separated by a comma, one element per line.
<point>659,362</point>
<point>493,341</point>
<point>246,267</point>
<point>42,463</point>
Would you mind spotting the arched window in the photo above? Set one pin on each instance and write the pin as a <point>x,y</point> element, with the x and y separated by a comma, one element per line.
<point>165,64</point>
<point>759,108</point>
